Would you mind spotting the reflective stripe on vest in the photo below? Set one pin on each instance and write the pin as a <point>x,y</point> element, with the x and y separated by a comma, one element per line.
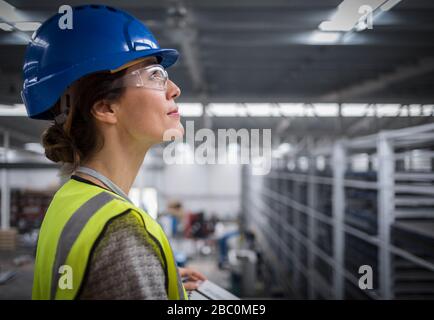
<point>71,231</point>
<point>74,221</point>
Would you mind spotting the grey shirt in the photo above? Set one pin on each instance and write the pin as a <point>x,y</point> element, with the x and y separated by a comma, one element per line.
<point>124,264</point>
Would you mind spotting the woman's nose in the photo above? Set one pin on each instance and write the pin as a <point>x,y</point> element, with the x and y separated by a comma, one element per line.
<point>173,91</point>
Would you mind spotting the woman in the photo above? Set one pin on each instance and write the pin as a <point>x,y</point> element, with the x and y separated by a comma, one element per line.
<point>105,85</point>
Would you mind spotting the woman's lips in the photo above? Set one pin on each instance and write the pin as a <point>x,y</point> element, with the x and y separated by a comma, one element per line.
<point>173,113</point>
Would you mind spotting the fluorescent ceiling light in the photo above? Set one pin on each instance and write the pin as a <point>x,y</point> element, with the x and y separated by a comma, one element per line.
<point>262,110</point>
<point>415,110</point>
<point>326,109</point>
<point>389,5</point>
<point>292,109</point>
<point>335,26</point>
<point>6,27</point>
<point>286,110</point>
<point>258,109</point>
<point>404,112</point>
<point>190,109</point>
<point>309,110</point>
<point>354,109</point>
<point>387,110</point>
<point>428,110</point>
<point>296,110</point>
<point>27,26</point>
<point>325,37</point>
<point>226,110</point>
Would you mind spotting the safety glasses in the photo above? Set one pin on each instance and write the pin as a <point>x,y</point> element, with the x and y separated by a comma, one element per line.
<point>151,77</point>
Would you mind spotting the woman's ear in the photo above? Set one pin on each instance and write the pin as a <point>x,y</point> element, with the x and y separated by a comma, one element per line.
<point>105,111</point>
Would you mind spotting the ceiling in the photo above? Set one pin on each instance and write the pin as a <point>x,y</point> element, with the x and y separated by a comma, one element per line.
<point>261,51</point>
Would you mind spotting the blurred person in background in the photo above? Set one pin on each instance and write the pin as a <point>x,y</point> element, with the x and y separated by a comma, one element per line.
<point>177,214</point>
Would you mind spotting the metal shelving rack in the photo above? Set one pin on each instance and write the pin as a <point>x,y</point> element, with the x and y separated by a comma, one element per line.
<point>317,226</point>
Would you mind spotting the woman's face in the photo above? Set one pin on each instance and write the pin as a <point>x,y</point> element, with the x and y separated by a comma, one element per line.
<point>146,115</point>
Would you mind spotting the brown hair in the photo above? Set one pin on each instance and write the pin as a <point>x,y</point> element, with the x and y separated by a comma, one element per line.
<point>77,139</point>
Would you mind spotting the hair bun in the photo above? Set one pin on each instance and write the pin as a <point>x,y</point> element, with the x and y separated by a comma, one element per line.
<point>58,146</point>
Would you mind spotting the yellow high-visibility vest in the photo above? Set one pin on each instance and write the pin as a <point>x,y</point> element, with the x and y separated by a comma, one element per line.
<point>72,225</point>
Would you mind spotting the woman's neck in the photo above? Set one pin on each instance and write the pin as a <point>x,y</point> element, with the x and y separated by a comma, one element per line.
<point>118,164</point>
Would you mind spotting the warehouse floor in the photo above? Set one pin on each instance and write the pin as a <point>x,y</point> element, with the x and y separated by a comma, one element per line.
<point>21,262</point>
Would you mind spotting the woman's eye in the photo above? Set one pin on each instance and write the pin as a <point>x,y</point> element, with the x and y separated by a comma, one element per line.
<point>156,75</point>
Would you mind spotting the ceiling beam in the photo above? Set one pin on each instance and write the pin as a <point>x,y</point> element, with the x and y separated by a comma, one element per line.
<point>183,33</point>
<point>10,15</point>
<point>404,72</point>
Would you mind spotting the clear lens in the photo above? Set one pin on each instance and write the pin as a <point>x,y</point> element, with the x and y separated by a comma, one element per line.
<point>151,77</point>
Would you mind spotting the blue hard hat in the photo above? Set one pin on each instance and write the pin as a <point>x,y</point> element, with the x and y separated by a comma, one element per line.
<point>101,38</point>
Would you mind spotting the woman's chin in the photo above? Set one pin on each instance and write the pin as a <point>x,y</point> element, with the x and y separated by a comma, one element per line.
<point>174,133</point>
